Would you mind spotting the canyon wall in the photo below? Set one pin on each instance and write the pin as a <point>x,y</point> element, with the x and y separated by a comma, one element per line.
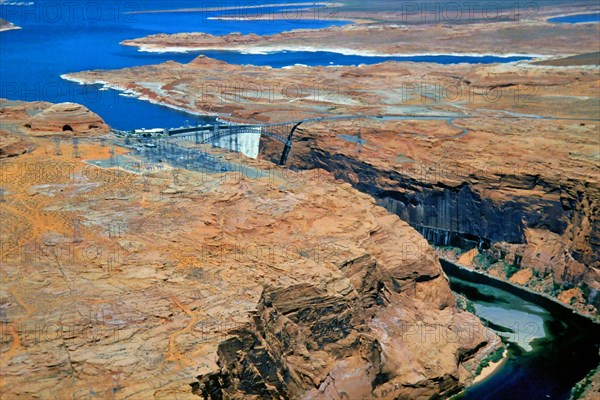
<point>278,284</point>
<point>552,224</point>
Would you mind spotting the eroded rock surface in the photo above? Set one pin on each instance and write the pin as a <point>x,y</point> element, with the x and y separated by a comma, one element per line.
<point>46,119</point>
<point>311,342</point>
<point>68,117</point>
<point>118,282</point>
<point>503,156</point>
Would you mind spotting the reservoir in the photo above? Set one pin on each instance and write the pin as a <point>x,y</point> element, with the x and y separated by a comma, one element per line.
<point>64,37</point>
<point>577,19</point>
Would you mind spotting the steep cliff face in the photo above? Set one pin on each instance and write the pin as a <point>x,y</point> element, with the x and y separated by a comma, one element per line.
<point>374,338</point>
<point>328,292</point>
<point>544,223</point>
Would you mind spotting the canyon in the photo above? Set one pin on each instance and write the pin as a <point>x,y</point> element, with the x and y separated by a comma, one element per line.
<point>138,283</point>
<point>502,156</point>
<point>134,266</point>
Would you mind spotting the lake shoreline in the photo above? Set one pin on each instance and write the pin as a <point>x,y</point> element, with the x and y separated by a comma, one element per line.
<point>10,28</point>
<point>6,26</point>
<point>243,49</point>
<point>136,95</point>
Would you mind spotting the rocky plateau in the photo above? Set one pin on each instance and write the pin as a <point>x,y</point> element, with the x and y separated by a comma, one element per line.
<point>124,284</point>
<point>499,156</point>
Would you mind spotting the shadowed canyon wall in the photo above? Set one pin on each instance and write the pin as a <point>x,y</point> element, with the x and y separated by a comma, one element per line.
<point>483,210</point>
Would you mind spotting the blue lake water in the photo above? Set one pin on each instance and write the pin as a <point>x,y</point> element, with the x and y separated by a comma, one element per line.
<point>577,19</point>
<point>86,35</point>
<point>287,58</point>
<point>63,37</point>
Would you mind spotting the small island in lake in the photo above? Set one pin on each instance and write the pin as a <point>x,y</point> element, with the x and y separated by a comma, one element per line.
<point>7,26</point>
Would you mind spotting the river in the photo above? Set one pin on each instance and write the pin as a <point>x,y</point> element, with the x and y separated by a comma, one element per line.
<point>549,348</point>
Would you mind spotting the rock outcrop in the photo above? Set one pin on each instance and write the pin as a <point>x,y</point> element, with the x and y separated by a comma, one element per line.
<point>129,282</point>
<point>67,119</point>
<point>11,145</point>
<point>508,156</point>
<point>311,342</point>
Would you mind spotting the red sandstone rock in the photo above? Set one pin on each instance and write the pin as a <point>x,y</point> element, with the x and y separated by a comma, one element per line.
<point>142,297</point>
<point>68,119</point>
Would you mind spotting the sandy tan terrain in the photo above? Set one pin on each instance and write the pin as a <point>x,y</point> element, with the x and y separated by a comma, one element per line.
<point>519,135</point>
<point>119,286</point>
